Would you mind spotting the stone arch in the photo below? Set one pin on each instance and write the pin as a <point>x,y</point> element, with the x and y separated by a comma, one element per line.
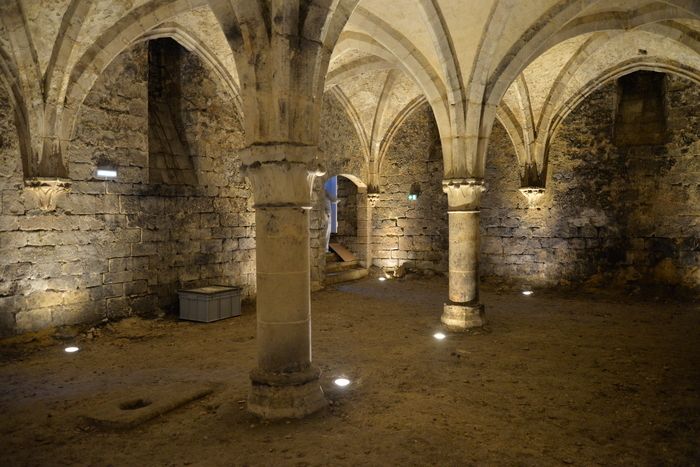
<point>561,22</point>
<point>21,72</point>
<point>393,129</point>
<point>112,42</point>
<point>568,80</point>
<point>416,66</point>
<point>353,216</point>
<point>196,45</point>
<point>362,65</point>
<point>547,32</point>
<point>57,76</point>
<point>9,75</point>
<point>512,127</point>
<point>340,97</point>
<point>361,186</point>
<point>614,73</point>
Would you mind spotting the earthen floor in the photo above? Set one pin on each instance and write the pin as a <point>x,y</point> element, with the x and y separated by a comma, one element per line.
<point>583,380</point>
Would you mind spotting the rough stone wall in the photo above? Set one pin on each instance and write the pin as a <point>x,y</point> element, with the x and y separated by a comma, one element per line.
<point>169,157</point>
<point>341,153</point>
<point>347,214</point>
<point>113,248</point>
<point>412,231</point>
<point>625,216</point>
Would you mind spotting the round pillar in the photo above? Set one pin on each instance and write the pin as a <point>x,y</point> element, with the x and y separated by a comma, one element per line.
<point>463,310</point>
<point>285,383</point>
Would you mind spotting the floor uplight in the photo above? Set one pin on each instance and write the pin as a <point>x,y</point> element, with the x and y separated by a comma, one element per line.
<point>342,382</point>
<point>382,279</point>
<point>528,292</point>
<point>71,349</point>
<point>439,336</point>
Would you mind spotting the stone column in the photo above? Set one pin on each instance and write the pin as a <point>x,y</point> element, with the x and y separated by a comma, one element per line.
<point>285,383</point>
<point>365,205</point>
<point>463,310</point>
<point>372,199</point>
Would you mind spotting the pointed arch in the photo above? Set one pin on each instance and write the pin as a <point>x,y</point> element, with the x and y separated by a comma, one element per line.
<point>9,75</point>
<point>354,117</point>
<point>197,46</point>
<point>394,127</point>
<point>111,43</point>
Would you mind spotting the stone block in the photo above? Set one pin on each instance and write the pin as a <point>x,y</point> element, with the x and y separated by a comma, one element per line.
<point>246,243</point>
<point>8,223</point>
<point>138,287</point>
<point>119,307</point>
<point>33,319</point>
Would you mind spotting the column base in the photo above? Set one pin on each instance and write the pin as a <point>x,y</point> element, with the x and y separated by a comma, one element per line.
<point>458,317</point>
<point>285,395</point>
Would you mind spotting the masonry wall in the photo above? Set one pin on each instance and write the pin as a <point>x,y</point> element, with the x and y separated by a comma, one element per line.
<point>621,216</point>
<point>115,248</point>
<point>347,215</point>
<point>341,153</point>
<point>413,232</point>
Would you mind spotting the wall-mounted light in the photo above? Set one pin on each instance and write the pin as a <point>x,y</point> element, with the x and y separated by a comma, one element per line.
<point>414,193</point>
<point>106,172</point>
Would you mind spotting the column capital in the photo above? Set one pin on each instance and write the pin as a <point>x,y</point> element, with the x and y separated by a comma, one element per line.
<point>281,183</point>
<point>372,199</point>
<point>47,190</point>
<point>463,194</point>
<point>279,152</point>
<point>533,194</point>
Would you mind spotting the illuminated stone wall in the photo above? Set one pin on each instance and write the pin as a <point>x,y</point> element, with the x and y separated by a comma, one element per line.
<point>115,248</point>
<point>405,230</point>
<point>341,153</point>
<point>623,216</point>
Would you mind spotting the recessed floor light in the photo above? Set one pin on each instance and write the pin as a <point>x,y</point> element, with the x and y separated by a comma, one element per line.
<point>439,336</point>
<point>528,292</point>
<point>71,349</point>
<point>382,279</point>
<point>342,382</point>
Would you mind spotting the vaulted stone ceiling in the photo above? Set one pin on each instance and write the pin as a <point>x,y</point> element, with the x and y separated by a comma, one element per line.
<point>528,63</point>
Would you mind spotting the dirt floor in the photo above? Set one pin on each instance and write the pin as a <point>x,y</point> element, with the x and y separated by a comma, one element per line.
<point>555,379</point>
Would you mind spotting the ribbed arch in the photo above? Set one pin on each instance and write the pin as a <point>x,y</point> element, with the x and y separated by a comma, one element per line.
<point>194,44</point>
<point>9,75</point>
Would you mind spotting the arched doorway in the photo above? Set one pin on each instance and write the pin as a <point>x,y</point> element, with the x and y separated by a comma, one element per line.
<point>348,229</point>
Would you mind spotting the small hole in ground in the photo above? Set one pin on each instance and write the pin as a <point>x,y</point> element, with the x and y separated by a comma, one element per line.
<point>135,404</point>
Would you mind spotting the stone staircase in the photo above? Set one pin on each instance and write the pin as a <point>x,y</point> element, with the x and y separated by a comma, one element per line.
<point>338,271</point>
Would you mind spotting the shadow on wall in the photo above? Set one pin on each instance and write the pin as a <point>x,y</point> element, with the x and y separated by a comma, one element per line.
<point>121,247</point>
<point>612,215</point>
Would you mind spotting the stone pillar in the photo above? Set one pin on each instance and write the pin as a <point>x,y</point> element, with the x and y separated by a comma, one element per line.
<point>463,310</point>
<point>285,383</point>
<point>365,205</point>
<point>372,199</point>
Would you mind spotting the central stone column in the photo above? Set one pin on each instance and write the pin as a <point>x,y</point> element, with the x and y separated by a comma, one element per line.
<point>463,311</point>
<point>285,383</point>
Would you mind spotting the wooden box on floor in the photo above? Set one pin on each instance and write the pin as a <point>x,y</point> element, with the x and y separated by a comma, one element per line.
<point>212,303</point>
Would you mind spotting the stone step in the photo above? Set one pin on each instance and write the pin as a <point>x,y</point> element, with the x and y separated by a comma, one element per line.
<point>341,265</point>
<point>332,257</point>
<point>345,276</point>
